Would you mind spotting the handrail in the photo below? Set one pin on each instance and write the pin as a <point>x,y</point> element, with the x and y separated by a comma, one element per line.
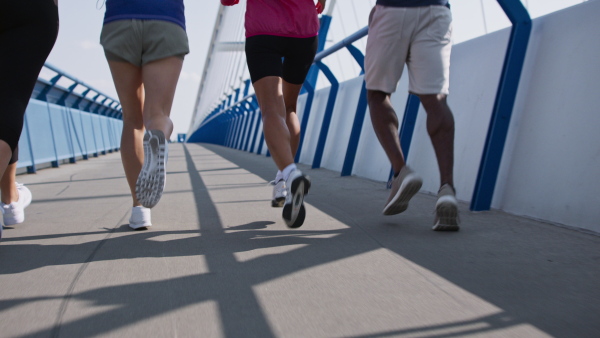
<point>74,79</point>
<point>47,86</point>
<point>361,33</point>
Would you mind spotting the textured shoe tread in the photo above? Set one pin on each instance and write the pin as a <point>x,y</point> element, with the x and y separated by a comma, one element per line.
<point>287,213</point>
<point>150,185</point>
<point>446,217</point>
<point>299,219</point>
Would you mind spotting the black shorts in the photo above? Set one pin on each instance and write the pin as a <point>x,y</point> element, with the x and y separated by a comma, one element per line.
<point>264,55</point>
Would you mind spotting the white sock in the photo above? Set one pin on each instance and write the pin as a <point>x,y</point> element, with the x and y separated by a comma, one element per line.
<point>288,170</point>
<point>279,176</point>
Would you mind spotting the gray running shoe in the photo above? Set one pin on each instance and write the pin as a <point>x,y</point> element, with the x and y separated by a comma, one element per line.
<point>446,210</point>
<point>404,187</point>
<point>151,181</point>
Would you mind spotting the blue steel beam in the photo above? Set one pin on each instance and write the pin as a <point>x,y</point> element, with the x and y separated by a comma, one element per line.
<point>503,105</point>
<point>333,91</point>
<point>256,108</point>
<point>63,98</point>
<point>253,113</point>
<point>243,129</point>
<point>310,94</point>
<point>313,73</point>
<point>359,117</point>
<point>42,95</point>
<point>80,98</point>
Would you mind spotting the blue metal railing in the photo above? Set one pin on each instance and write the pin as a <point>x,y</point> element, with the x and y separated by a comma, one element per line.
<point>61,124</point>
<point>503,106</point>
<point>228,118</point>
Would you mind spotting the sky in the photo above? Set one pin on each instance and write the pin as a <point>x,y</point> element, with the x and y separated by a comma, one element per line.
<point>78,52</point>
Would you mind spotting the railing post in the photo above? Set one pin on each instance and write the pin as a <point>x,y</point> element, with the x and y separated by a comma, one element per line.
<point>30,169</point>
<point>359,117</point>
<point>310,94</point>
<point>327,115</point>
<point>258,120</point>
<point>503,105</point>
<point>85,154</point>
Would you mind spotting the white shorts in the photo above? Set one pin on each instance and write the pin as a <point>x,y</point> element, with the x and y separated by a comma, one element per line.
<point>419,37</point>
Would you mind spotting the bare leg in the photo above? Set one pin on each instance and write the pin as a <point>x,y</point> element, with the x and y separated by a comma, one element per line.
<point>270,98</point>
<point>290,99</point>
<point>440,126</point>
<point>160,81</point>
<point>385,124</point>
<point>7,182</point>
<point>128,83</point>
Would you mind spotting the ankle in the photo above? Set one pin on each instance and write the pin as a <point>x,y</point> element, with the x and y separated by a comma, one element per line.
<point>288,170</point>
<point>10,195</point>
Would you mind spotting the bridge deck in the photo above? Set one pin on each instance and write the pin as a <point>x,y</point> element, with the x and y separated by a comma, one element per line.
<point>219,261</point>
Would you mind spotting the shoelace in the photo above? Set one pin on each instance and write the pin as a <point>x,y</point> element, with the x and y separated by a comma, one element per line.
<point>273,182</point>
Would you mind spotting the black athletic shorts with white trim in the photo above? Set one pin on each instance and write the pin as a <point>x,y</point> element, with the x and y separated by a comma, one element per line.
<point>264,54</point>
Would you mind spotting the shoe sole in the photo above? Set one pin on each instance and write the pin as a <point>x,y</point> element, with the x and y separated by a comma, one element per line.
<point>139,227</point>
<point>399,203</point>
<point>447,217</point>
<point>278,202</point>
<point>151,183</point>
<point>295,213</point>
<point>14,220</point>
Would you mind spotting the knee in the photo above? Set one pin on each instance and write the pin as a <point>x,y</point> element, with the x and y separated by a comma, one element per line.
<point>133,121</point>
<point>290,108</point>
<point>376,97</point>
<point>434,103</point>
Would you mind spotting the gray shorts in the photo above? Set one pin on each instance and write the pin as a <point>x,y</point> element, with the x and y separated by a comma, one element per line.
<point>141,41</point>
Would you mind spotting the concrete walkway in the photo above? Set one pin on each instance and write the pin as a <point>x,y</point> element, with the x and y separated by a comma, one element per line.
<point>220,262</point>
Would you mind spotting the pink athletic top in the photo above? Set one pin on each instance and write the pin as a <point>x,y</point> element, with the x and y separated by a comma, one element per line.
<point>290,18</point>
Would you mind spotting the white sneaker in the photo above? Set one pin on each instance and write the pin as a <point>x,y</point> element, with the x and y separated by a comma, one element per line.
<point>297,185</point>
<point>279,193</point>
<point>151,181</point>
<point>446,210</point>
<point>404,187</point>
<point>14,213</point>
<point>140,218</point>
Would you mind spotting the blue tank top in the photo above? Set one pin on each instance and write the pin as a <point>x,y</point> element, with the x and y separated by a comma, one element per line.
<point>166,10</point>
<point>412,3</point>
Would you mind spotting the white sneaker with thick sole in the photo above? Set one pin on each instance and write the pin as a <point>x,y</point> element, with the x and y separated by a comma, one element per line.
<point>298,185</point>
<point>279,193</point>
<point>446,210</point>
<point>404,187</point>
<point>151,181</point>
<point>14,213</point>
<point>140,218</point>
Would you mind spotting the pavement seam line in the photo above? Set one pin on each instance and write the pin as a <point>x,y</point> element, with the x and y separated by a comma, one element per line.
<point>67,298</point>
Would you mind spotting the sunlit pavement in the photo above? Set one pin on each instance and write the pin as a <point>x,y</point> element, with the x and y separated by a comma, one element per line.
<point>220,262</point>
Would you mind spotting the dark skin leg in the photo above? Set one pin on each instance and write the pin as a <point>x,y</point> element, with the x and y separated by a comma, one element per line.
<point>440,127</point>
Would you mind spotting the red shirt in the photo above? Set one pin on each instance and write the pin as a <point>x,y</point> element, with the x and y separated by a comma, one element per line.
<point>291,18</point>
